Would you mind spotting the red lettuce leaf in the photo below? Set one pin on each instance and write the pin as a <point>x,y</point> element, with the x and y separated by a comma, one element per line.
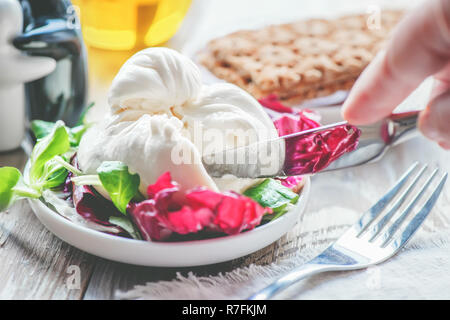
<point>202,209</point>
<point>159,216</point>
<point>164,182</point>
<point>88,203</point>
<point>273,103</point>
<point>290,123</point>
<point>146,217</point>
<point>68,184</point>
<point>92,206</point>
<point>313,152</point>
<point>292,182</point>
<point>234,212</point>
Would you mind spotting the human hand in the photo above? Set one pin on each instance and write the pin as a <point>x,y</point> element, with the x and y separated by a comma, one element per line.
<point>419,47</point>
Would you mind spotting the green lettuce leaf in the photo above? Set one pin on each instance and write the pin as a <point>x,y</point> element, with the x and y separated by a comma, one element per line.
<point>56,143</point>
<point>121,185</point>
<point>82,119</point>
<point>41,129</point>
<point>54,174</point>
<point>76,133</point>
<point>9,177</point>
<point>271,193</point>
<point>126,224</point>
<point>48,161</point>
<point>12,187</point>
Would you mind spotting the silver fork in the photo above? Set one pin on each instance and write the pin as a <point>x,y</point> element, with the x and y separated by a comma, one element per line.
<point>368,242</point>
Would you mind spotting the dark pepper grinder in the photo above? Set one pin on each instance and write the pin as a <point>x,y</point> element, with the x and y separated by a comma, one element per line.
<point>51,30</point>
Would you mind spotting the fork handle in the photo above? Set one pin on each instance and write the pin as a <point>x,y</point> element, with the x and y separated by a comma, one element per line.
<point>306,270</point>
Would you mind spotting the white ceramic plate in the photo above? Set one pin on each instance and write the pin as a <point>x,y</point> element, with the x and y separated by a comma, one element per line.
<point>171,254</point>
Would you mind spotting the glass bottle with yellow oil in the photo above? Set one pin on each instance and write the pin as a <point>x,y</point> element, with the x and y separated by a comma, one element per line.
<point>128,24</point>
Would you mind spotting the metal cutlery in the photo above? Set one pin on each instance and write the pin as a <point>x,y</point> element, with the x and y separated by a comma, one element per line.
<point>375,237</point>
<point>267,158</point>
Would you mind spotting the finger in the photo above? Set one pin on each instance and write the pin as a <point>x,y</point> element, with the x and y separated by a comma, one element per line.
<point>444,74</point>
<point>434,120</point>
<point>419,47</point>
<point>445,145</point>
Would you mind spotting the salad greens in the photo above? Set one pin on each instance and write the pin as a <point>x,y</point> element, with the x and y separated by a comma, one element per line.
<point>272,194</point>
<point>115,179</point>
<point>111,197</point>
<point>12,188</point>
<point>122,186</point>
<point>82,120</point>
<point>54,175</point>
<point>50,166</point>
<point>41,129</point>
<point>56,143</point>
<point>45,172</point>
<point>126,224</point>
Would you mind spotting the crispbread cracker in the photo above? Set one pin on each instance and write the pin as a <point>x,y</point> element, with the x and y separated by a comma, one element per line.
<point>301,60</point>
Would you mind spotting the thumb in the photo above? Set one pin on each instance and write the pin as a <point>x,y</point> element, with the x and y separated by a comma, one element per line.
<point>434,120</point>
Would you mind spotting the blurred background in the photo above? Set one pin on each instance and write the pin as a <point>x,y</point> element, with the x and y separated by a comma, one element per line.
<point>115,29</point>
<point>91,39</point>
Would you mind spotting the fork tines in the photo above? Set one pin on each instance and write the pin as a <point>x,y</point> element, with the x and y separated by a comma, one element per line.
<point>373,239</point>
<point>378,231</point>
